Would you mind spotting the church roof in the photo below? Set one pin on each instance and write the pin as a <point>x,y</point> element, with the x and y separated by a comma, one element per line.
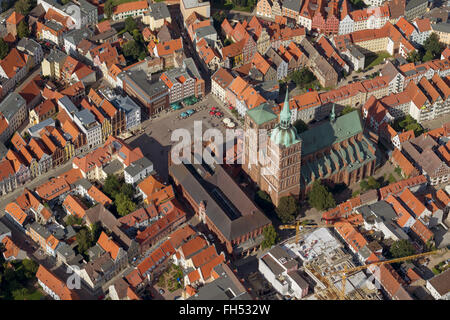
<point>329,133</point>
<point>262,114</point>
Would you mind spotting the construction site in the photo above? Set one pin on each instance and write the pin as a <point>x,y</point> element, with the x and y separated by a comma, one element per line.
<point>323,257</point>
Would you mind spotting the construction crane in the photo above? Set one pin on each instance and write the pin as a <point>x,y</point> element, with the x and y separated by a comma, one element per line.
<point>348,271</point>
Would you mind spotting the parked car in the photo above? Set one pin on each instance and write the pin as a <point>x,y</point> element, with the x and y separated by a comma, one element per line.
<point>161,291</point>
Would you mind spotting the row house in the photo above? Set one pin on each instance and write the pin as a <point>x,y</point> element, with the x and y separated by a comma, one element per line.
<point>293,56</point>
<point>209,56</point>
<point>13,111</point>
<point>220,81</point>
<point>423,154</point>
<point>50,31</point>
<point>8,180</point>
<point>181,85</point>
<point>53,286</point>
<point>130,9</point>
<point>170,52</point>
<point>318,65</point>
<point>280,65</point>
<point>116,116</point>
<point>104,56</point>
<point>13,68</point>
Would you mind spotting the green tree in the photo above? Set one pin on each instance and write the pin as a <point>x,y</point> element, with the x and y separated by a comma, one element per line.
<point>109,8</point>
<point>30,267</point>
<point>263,200</point>
<point>64,1</point>
<point>4,48</point>
<point>72,220</point>
<point>111,185</point>
<point>433,47</point>
<point>84,240</point>
<point>124,204</point>
<point>128,190</point>
<point>373,183</point>
<point>408,123</point>
<point>302,77</point>
<point>130,25</point>
<point>96,230</point>
<point>414,56</point>
<point>270,237</point>
<point>428,56</point>
<point>300,125</point>
<point>401,248</point>
<point>287,209</point>
<point>22,30</point>
<point>131,49</point>
<point>20,294</point>
<point>347,109</point>
<point>23,7</point>
<point>218,18</point>
<point>319,197</point>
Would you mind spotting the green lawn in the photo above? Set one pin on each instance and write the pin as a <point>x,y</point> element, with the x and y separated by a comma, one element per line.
<point>117,2</point>
<point>228,5</point>
<point>375,59</point>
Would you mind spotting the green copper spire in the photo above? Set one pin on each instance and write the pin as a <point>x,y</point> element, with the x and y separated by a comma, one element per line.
<point>285,115</point>
<point>284,133</point>
<point>332,115</point>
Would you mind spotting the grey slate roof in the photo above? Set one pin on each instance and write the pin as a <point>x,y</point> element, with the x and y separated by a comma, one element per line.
<point>159,10</point>
<point>86,117</point>
<point>138,166</point>
<point>11,104</point>
<point>294,5</point>
<point>28,44</point>
<point>441,27</point>
<point>227,287</point>
<point>205,31</point>
<point>76,35</point>
<point>56,55</point>
<point>47,122</point>
<point>125,103</point>
<point>411,4</point>
<point>85,183</point>
<point>3,229</point>
<point>113,167</point>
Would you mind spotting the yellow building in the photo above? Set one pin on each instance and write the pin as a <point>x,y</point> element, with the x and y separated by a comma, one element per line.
<point>53,63</point>
<point>188,7</point>
<point>443,32</point>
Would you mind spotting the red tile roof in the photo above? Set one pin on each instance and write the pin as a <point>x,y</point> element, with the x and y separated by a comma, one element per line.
<point>74,206</point>
<point>180,235</point>
<point>11,250</point>
<point>15,18</point>
<point>422,231</point>
<point>53,188</point>
<point>204,256</point>
<point>130,6</point>
<point>192,246</point>
<point>207,268</point>
<point>16,212</point>
<point>396,188</point>
<point>107,244</point>
<point>54,284</point>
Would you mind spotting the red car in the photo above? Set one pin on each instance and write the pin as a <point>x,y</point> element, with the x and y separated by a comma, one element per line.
<point>218,114</point>
<point>230,107</point>
<point>211,113</point>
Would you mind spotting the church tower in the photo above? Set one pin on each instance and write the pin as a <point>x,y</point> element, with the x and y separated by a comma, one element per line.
<point>280,176</point>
